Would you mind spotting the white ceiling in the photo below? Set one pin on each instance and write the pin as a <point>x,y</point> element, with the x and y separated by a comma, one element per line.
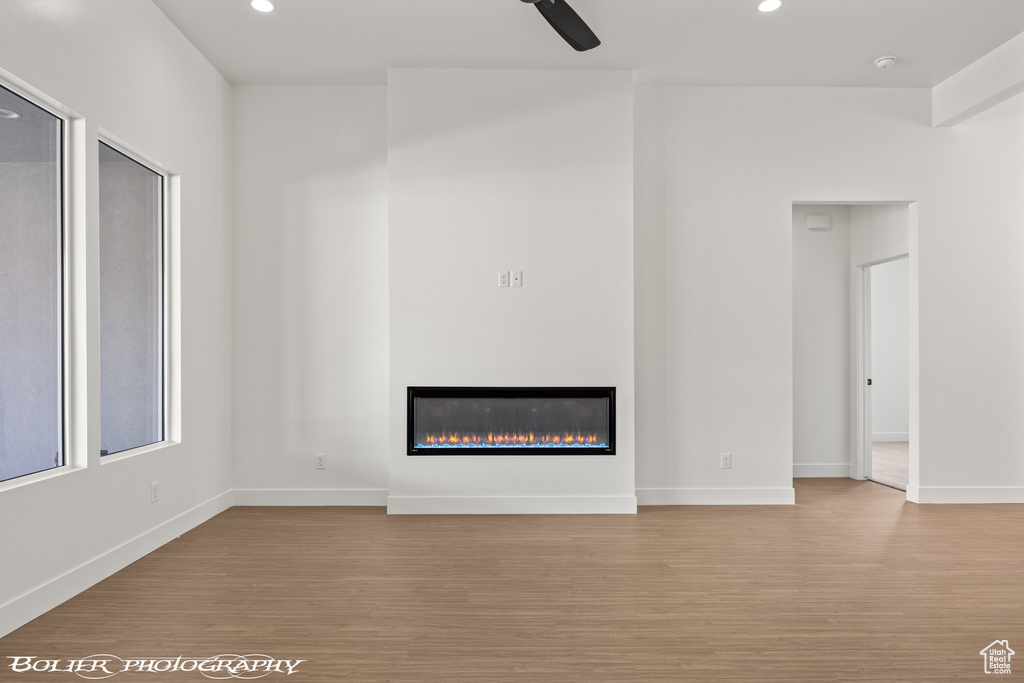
<point>689,42</point>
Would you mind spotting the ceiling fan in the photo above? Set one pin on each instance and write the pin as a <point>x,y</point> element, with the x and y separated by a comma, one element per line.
<point>568,24</point>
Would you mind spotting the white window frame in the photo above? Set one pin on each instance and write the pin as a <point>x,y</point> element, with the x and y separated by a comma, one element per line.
<point>74,421</point>
<point>171,291</point>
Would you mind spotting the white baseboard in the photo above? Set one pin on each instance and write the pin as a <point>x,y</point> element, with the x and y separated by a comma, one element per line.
<point>312,497</point>
<point>511,505</point>
<point>965,494</point>
<point>820,470</point>
<point>758,496</point>
<point>40,600</point>
<point>890,436</point>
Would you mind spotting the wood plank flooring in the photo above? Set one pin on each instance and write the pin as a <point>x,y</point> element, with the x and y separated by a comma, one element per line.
<point>890,463</point>
<point>850,584</point>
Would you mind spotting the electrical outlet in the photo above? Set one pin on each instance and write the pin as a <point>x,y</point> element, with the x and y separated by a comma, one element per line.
<point>320,461</point>
<point>154,492</point>
<point>503,278</point>
<point>726,461</point>
<point>517,278</point>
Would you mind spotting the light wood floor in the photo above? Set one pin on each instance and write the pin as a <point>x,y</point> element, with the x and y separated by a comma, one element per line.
<point>851,584</point>
<point>890,463</point>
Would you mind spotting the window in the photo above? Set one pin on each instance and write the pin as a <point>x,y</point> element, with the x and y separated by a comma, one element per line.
<point>132,348</point>
<point>31,288</point>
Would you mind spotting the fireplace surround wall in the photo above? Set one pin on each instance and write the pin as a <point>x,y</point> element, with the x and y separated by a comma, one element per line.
<point>513,170</point>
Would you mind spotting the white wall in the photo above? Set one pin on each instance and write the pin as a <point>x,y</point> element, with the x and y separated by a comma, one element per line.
<point>723,167</point>
<point>513,170</point>
<point>717,171</point>
<point>122,66</point>
<point>879,232</point>
<point>310,306</point>
<point>972,325</point>
<point>890,357</point>
<point>821,344</point>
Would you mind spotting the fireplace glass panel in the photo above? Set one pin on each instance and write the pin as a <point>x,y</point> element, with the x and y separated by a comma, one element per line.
<point>539,421</point>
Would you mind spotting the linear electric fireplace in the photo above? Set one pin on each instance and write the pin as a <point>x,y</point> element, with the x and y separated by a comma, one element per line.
<point>517,420</point>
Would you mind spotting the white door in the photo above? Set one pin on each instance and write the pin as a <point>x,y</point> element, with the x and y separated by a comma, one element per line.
<point>886,372</point>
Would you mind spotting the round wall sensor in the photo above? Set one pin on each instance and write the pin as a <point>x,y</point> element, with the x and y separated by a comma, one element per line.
<point>885,61</point>
<point>8,114</point>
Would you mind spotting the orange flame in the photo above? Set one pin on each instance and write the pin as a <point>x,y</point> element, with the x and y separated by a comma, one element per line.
<point>510,439</point>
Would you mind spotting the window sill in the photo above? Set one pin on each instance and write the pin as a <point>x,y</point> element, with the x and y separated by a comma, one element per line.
<point>115,457</point>
<point>28,479</point>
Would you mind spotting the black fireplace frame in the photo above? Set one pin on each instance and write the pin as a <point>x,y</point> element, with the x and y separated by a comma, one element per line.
<point>510,392</point>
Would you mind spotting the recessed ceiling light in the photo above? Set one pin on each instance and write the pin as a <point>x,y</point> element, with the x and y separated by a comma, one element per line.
<point>262,5</point>
<point>8,114</point>
<point>770,5</point>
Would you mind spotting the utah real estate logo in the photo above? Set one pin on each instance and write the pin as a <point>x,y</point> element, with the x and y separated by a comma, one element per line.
<point>997,657</point>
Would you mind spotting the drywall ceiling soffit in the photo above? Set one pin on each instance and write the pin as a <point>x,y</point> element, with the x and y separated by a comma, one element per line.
<point>688,42</point>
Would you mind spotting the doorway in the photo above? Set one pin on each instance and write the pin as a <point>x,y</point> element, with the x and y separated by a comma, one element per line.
<point>835,247</point>
<point>886,371</point>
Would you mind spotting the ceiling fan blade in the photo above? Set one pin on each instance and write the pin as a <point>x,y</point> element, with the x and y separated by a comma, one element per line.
<point>568,24</point>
